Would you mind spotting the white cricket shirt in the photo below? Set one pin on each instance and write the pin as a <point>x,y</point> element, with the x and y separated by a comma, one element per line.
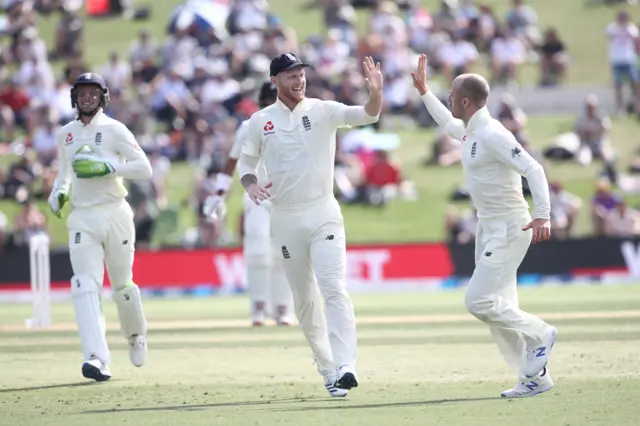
<point>110,140</point>
<point>298,147</point>
<point>493,163</point>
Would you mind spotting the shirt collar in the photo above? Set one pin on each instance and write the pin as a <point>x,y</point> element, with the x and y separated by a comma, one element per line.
<point>479,119</point>
<point>302,106</point>
<point>94,119</point>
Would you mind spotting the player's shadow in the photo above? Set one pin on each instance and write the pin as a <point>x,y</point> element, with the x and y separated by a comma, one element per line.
<point>196,407</point>
<point>388,404</point>
<point>35,388</point>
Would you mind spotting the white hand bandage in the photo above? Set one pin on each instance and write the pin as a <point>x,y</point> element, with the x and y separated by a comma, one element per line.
<point>214,207</point>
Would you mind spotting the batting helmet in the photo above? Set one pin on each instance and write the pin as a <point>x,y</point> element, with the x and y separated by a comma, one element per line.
<point>90,78</point>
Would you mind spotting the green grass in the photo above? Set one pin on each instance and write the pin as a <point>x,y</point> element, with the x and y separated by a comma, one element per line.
<point>443,370</point>
<point>401,221</point>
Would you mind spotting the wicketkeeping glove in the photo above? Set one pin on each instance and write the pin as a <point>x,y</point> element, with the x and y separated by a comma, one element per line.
<point>87,164</point>
<point>57,200</point>
<point>214,207</point>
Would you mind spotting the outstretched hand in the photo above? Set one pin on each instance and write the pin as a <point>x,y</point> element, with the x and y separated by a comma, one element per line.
<point>420,75</point>
<point>373,76</point>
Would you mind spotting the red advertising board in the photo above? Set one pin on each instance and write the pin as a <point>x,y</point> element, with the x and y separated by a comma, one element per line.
<point>366,265</point>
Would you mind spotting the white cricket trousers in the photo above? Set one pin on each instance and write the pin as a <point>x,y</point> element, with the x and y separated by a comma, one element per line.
<point>492,294</point>
<point>313,247</point>
<point>269,292</point>
<point>102,235</point>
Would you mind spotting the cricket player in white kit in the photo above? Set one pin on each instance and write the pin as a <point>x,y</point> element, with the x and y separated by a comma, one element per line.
<point>493,162</point>
<point>269,292</point>
<point>295,139</point>
<point>96,153</point>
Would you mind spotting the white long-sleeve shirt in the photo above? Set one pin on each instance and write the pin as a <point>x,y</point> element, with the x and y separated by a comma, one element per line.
<point>110,140</point>
<point>493,162</point>
<point>298,147</point>
<point>236,152</point>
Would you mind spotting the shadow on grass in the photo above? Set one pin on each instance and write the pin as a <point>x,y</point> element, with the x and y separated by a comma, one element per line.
<point>35,388</point>
<point>197,407</point>
<point>389,404</point>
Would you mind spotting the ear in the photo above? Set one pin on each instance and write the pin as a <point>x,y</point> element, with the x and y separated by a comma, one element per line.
<point>274,81</point>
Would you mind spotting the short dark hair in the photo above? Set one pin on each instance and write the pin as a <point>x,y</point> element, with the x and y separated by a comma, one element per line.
<point>476,89</point>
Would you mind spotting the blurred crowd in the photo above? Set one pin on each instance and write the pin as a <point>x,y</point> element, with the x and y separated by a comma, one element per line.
<point>184,95</point>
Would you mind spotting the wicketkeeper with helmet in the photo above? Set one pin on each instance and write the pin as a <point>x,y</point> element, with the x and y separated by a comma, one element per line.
<point>96,154</point>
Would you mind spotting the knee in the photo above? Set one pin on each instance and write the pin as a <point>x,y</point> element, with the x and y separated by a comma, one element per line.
<point>478,307</point>
<point>82,284</point>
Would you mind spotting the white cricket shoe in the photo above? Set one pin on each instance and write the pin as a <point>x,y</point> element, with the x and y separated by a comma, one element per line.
<point>534,386</point>
<point>330,385</point>
<point>96,370</point>
<point>346,377</point>
<point>538,356</point>
<point>137,350</point>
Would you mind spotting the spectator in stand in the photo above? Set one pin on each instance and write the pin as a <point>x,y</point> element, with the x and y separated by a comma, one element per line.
<point>621,221</point>
<point>522,21</point>
<point>28,222</point>
<point>593,129</point>
<point>565,208</point>
<point>382,179</point>
<point>507,55</point>
<point>14,108</point>
<point>603,202</point>
<point>623,38</point>
<point>553,59</point>
<point>457,57</point>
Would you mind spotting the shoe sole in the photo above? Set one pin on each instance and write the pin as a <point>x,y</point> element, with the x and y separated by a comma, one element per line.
<point>530,394</point>
<point>347,381</point>
<point>92,372</point>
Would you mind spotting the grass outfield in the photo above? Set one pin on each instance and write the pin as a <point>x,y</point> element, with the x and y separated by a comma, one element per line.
<point>402,221</point>
<point>422,360</point>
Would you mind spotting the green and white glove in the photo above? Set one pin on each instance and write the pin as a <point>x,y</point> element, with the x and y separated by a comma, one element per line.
<point>57,200</point>
<point>87,164</point>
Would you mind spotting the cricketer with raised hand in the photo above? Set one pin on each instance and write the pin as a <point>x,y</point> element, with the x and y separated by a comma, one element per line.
<point>96,153</point>
<point>295,138</point>
<point>493,163</point>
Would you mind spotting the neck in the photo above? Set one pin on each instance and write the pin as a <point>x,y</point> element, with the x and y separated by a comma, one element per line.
<point>288,102</point>
<point>471,113</point>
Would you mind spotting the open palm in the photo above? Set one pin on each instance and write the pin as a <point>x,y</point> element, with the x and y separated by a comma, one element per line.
<point>373,75</point>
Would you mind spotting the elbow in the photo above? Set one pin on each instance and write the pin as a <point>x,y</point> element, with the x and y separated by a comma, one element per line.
<point>147,173</point>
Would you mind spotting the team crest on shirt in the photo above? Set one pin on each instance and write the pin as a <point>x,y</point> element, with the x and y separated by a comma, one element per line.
<point>99,138</point>
<point>306,123</point>
<point>515,152</point>
<point>269,128</point>
<point>473,149</point>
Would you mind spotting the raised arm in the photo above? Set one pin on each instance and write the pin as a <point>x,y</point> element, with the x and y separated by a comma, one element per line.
<point>452,126</point>
<point>341,115</point>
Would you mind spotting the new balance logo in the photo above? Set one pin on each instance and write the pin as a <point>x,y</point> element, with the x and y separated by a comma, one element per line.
<point>126,297</point>
<point>306,123</point>
<point>124,243</point>
<point>488,254</point>
<point>329,237</point>
<point>531,385</point>
<point>285,253</point>
<point>541,352</point>
<point>76,240</point>
<point>515,152</point>
<point>77,283</point>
